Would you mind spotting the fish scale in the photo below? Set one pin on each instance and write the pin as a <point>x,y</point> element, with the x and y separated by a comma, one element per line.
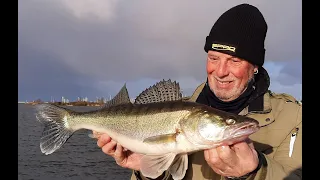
<point>159,125</point>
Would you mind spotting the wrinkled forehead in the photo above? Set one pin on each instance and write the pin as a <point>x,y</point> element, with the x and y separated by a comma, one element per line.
<point>222,55</point>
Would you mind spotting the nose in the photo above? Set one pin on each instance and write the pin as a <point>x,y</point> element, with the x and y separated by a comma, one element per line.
<point>222,69</point>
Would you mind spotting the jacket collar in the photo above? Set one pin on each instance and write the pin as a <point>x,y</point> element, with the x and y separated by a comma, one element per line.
<point>265,116</point>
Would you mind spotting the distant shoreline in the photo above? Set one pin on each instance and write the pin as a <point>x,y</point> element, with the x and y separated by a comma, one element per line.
<point>80,103</point>
<point>77,103</point>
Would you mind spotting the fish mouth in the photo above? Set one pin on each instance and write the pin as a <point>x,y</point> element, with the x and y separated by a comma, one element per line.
<point>244,129</point>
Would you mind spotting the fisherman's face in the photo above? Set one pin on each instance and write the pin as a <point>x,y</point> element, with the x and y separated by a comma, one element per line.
<point>228,76</point>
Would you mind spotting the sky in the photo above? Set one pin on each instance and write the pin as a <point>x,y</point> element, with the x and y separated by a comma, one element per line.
<point>91,48</point>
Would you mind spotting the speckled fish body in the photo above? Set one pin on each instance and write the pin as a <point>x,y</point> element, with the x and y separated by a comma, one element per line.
<point>163,129</point>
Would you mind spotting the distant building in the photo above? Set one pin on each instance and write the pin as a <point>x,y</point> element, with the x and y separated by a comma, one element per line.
<point>64,100</point>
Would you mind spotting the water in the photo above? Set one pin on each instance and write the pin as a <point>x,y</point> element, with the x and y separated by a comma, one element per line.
<point>78,159</point>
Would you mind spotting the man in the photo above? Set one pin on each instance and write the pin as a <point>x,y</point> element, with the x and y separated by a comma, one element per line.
<point>237,83</point>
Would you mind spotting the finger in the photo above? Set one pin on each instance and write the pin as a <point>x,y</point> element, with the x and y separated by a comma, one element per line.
<point>119,155</point>
<point>206,155</point>
<point>96,134</point>
<point>244,150</point>
<point>110,148</point>
<point>227,155</point>
<point>104,139</point>
<point>213,159</point>
<point>246,153</point>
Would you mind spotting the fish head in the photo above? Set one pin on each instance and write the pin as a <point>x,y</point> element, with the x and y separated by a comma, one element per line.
<point>225,128</point>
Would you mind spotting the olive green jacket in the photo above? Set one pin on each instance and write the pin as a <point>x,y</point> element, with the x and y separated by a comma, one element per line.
<point>281,122</point>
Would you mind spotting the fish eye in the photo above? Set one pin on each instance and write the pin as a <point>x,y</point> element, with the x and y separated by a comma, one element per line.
<point>230,121</point>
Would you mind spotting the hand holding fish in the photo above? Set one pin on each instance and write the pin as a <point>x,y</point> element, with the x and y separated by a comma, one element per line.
<point>236,160</point>
<point>123,158</point>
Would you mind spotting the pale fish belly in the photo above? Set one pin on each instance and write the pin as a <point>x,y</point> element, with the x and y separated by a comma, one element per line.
<point>181,145</point>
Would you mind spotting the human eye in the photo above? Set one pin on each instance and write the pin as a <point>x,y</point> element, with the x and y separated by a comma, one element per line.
<point>235,60</point>
<point>212,58</point>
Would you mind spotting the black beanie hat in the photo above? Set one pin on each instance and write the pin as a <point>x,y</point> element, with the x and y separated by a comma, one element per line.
<point>239,32</point>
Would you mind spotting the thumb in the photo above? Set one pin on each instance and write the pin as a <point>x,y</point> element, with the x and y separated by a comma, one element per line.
<point>119,155</point>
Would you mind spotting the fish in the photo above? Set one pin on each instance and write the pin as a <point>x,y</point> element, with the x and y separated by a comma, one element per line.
<point>160,124</point>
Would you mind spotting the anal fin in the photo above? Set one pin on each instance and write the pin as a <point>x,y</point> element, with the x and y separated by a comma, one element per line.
<point>153,166</point>
<point>179,166</point>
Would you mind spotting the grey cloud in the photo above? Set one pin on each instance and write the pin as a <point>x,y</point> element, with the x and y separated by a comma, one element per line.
<point>291,73</point>
<point>143,39</point>
<point>44,75</point>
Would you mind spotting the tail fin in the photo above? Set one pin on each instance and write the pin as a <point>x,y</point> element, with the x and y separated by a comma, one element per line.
<point>56,132</point>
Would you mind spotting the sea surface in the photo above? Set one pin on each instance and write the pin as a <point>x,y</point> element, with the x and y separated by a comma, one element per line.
<point>78,159</point>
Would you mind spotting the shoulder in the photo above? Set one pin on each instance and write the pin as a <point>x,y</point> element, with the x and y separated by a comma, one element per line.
<point>284,103</point>
<point>282,114</point>
<point>284,106</point>
<point>279,109</point>
<point>196,92</point>
<point>284,97</point>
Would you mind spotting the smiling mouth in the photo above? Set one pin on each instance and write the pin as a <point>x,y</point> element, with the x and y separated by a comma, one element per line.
<point>224,82</point>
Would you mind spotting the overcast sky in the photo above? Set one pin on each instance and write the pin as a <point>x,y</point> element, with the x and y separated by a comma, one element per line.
<point>90,48</point>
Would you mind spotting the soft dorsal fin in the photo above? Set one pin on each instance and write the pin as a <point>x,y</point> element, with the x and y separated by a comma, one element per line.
<point>121,98</point>
<point>159,92</point>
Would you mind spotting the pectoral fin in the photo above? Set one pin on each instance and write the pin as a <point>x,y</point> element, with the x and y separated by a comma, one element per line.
<point>164,138</point>
<point>179,166</point>
<point>153,166</point>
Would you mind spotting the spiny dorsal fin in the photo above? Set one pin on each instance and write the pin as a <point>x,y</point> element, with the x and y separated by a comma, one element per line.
<point>121,98</point>
<point>159,92</point>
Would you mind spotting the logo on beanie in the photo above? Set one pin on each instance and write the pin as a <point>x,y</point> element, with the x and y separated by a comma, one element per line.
<point>222,47</point>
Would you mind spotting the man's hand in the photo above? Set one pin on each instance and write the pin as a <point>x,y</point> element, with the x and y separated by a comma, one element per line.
<point>123,158</point>
<point>236,160</point>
